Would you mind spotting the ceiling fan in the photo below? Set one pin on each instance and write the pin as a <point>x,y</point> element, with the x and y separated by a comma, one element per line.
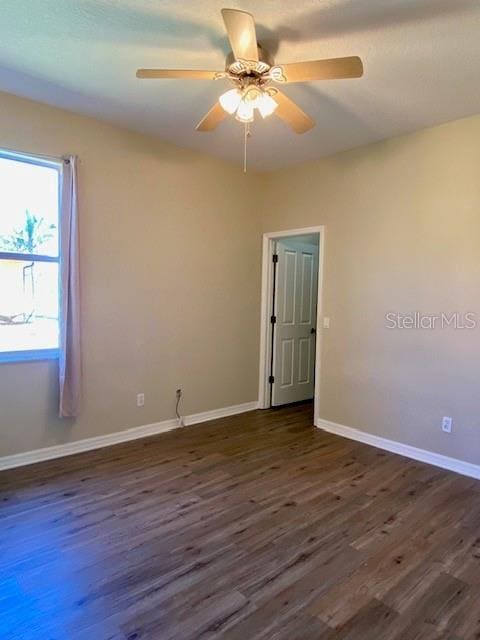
<point>251,69</point>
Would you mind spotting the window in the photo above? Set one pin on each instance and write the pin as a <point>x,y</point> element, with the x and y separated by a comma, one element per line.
<point>29,257</point>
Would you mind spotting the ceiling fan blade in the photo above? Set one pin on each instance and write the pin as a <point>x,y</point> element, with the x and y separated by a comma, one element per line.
<point>192,74</point>
<point>290,112</point>
<point>212,119</point>
<point>331,69</point>
<point>240,27</point>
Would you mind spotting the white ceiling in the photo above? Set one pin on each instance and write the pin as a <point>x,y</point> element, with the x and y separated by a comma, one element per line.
<point>421,57</point>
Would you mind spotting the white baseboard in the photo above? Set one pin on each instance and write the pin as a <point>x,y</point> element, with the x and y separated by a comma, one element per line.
<point>196,418</point>
<point>422,455</point>
<point>88,444</point>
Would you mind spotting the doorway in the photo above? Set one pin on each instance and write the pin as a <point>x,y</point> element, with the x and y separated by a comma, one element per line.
<point>291,305</point>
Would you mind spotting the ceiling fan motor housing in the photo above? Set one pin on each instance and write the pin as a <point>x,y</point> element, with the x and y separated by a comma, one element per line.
<point>254,68</point>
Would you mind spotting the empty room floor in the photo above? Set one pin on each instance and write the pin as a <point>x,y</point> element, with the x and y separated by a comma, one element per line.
<point>253,526</point>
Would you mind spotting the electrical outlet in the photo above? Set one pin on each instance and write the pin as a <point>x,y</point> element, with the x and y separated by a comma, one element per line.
<point>140,399</point>
<point>178,394</point>
<point>447,424</point>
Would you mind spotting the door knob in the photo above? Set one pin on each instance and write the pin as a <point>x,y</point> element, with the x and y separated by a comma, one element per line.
<point>313,331</point>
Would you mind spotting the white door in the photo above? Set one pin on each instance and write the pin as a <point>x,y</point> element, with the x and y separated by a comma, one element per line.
<point>294,328</point>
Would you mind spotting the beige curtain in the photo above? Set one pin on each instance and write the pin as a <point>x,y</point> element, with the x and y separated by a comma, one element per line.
<point>70,368</point>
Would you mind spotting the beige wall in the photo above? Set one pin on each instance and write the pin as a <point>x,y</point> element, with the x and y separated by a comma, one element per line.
<point>402,234</point>
<point>170,257</point>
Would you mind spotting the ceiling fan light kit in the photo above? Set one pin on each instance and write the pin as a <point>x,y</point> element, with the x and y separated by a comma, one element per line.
<point>250,68</point>
<point>243,103</point>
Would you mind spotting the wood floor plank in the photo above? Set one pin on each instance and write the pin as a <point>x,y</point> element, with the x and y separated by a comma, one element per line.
<point>255,526</point>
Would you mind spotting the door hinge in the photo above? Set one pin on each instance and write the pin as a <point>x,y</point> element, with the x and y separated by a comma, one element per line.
<point>275,257</point>
<point>273,319</point>
<point>271,379</point>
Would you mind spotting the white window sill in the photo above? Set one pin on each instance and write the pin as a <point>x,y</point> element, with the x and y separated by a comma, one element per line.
<point>28,356</point>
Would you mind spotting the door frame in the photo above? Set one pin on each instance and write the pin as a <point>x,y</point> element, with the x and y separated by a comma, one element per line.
<point>266,312</point>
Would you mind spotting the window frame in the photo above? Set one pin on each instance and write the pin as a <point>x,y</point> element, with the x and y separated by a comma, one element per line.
<point>30,355</point>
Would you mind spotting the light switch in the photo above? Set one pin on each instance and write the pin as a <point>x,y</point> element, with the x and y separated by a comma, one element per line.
<point>326,323</point>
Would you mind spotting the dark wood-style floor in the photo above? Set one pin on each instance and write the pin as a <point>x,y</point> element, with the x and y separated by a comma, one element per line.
<point>252,527</point>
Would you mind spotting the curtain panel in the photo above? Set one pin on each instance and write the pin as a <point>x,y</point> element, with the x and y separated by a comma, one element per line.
<point>70,366</point>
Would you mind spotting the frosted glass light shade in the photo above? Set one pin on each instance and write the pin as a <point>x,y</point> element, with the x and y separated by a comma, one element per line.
<point>230,100</point>
<point>266,105</point>
<point>244,112</point>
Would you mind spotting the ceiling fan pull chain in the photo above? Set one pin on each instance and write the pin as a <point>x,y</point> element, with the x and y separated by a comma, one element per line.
<point>245,149</point>
<point>245,140</point>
